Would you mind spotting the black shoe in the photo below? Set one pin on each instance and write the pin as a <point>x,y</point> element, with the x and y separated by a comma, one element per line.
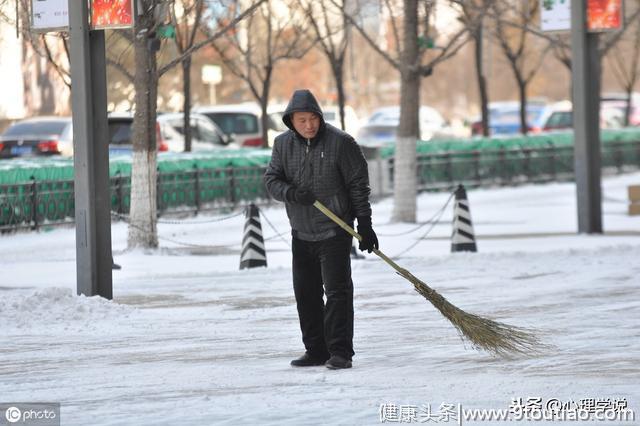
<point>336,362</point>
<point>308,360</point>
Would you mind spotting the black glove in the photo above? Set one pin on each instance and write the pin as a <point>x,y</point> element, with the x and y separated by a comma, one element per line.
<point>301,196</point>
<point>369,238</point>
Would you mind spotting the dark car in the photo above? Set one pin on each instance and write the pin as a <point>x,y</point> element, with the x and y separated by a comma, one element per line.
<point>41,136</point>
<point>45,136</point>
<point>121,133</point>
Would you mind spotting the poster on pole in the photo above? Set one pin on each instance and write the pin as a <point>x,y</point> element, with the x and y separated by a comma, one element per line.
<point>555,15</point>
<point>53,15</point>
<point>111,14</point>
<point>604,15</point>
<point>49,15</point>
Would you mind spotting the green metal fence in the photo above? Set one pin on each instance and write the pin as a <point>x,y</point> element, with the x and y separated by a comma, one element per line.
<point>38,203</point>
<point>516,165</point>
<point>43,194</point>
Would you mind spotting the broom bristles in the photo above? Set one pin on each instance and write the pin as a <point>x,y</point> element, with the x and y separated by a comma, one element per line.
<point>495,337</point>
<point>483,333</point>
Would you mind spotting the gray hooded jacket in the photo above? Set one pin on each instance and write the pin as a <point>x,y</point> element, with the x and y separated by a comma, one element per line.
<point>331,165</point>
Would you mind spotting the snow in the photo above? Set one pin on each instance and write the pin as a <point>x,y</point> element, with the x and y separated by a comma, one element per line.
<point>190,339</point>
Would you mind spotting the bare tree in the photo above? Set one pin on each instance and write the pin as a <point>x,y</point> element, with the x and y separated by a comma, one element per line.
<point>473,16</point>
<point>606,40</point>
<point>332,31</point>
<point>143,41</point>
<point>524,59</point>
<point>252,52</point>
<point>119,53</point>
<point>626,67</point>
<point>52,46</point>
<point>412,54</point>
<point>186,17</point>
<point>142,225</point>
<point>561,41</point>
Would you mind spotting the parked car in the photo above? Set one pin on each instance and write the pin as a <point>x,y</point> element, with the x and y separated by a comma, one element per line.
<point>55,136</point>
<point>205,134</point>
<point>240,121</point>
<point>38,136</point>
<point>382,125</point>
<point>557,116</point>
<point>613,114</point>
<point>552,117</point>
<point>504,118</point>
<point>615,104</point>
<point>121,133</point>
<point>331,115</point>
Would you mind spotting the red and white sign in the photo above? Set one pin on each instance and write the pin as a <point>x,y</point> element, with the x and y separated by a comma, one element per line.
<point>604,15</point>
<point>111,14</point>
<point>53,15</point>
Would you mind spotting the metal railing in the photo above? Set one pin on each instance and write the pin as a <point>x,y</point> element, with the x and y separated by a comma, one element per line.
<point>38,203</point>
<point>444,170</point>
<point>48,203</point>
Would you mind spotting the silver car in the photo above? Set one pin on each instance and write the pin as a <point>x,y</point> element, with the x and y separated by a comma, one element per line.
<point>205,134</point>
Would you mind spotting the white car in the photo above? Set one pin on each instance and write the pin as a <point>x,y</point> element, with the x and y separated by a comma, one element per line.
<point>382,126</point>
<point>241,121</point>
<point>205,134</point>
<point>331,115</point>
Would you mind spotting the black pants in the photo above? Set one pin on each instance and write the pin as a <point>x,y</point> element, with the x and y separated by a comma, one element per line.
<point>326,329</point>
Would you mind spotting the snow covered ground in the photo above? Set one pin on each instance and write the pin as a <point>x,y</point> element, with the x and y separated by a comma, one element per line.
<point>190,339</point>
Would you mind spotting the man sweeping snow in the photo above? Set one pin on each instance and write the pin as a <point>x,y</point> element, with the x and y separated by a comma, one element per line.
<point>316,161</point>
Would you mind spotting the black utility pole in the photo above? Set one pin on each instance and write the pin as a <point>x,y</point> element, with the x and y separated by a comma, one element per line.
<point>586,120</point>
<point>91,154</point>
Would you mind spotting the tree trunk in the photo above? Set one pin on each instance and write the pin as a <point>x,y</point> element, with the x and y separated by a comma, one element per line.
<point>142,225</point>
<point>186,76</point>
<point>405,168</point>
<point>522,93</point>
<point>627,108</point>
<point>482,82</point>
<point>338,76</point>
<point>264,119</point>
<point>264,103</point>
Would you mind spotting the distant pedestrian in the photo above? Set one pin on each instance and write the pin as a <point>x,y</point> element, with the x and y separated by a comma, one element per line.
<point>316,161</point>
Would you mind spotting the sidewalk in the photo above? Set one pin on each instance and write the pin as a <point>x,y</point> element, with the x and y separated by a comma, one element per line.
<point>190,339</point>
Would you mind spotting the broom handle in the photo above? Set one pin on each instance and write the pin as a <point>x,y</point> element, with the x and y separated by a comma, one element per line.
<point>317,204</point>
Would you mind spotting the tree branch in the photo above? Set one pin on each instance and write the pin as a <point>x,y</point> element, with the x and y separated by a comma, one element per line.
<point>221,32</point>
<point>121,68</point>
<point>394,63</point>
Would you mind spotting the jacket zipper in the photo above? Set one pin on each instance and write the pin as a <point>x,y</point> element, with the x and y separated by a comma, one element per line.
<point>305,163</point>
<point>309,161</point>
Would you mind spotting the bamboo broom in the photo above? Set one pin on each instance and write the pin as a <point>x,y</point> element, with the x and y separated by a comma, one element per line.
<point>492,336</point>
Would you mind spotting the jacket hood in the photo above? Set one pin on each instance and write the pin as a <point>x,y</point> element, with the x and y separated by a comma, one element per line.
<point>301,101</point>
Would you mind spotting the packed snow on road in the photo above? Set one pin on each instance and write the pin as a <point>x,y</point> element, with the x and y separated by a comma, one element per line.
<point>190,339</point>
